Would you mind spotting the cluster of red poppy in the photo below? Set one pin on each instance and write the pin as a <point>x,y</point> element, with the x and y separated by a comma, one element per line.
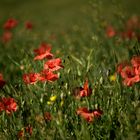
<point>52,65</point>
<point>132,27</point>
<point>88,115</point>
<point>130,73</point>
<point>9,25</point>
<point>8,104</point>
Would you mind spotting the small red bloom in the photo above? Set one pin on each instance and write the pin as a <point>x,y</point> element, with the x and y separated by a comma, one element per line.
<point>47,75</point>
<point>89,116</point>
<point>110,32</point>
<point>86,91</point>
<point>2,82</point>
<point>10,23</point>
<point>84,113</point>
<point>6,37</point>
<point>127,72</point>
<point>129,34</point>
<point>9,105</point>
<point>83,91</point>
<point>43,52</point>
<point>20,134</point>
<point>47,116</point>
<point>129,76</point>
<point>28,25</point>
<point>130,73</point>
<point>29,129</point>
<point>53,64</point>
<point>31,78</point>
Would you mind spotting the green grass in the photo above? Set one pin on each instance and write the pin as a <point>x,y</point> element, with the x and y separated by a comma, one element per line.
<point>86,53</point>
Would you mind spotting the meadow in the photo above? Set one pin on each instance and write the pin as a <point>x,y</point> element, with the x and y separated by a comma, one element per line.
<point>69,70</point>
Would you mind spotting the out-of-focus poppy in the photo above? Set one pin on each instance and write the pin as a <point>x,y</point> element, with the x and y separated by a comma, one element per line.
<point>130,73</point>
<point>110,32</point>
<point>7,36</point>
<point>29,129</point>
<point>89,116</point>
<point>47,116</point>
<point>31,78</point>
<point>47,75</point>
<point>43,52</point>
<point>28,25</point>
<point>53,64</point>
<point>83,91</point>
<point>10,24</point>
<point>8,104</point>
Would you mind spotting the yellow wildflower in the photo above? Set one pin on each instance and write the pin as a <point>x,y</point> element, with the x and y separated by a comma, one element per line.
<point>49,103</point>
<point>113,77</point>
<point>53,98</point>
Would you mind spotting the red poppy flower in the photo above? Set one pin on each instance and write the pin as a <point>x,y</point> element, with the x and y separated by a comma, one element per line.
<point>89,116</point>
<point>31,78</point>
<point>20,134</point>
<point>47,75</point>
<point>10,23</point>
<point>83,91</point>
<point>84,113</point>
<point>29,129</point>
<point>86,91</point>
<point>110,32</point>
<point>53,64</point>
<point>47,116</point>
<point>9,105</point>
<point>2,82</point>
<point>7,36</point>
<point>129,34</point>
<point>127,71</point>
<point>43,52</point>
<point>130,75</point>
<point>28,25</point>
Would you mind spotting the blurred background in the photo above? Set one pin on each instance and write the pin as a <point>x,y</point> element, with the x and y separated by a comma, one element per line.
<point>61,14</point>
<point>79,20</point>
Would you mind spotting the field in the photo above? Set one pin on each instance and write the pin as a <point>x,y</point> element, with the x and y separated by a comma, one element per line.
<point>69,70</point>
